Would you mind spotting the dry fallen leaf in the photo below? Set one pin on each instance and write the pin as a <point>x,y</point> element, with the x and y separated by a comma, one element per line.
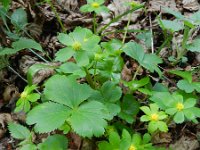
<point>192,5</point>
<point>155,5</point>
<point>185,143</point>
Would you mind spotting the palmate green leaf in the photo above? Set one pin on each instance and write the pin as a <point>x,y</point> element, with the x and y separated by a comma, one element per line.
<point>89,119</point>
<point>109,95</point>
<point>148,61</point>
<point>19,18</point>
<point>47,116</point>
<point>188,87</point>
<point>54,142</point>
<point>67,91</point>
<point>135,51</point>
<point>194,46</point>
<point>18,131</point>
<point>184,74</point>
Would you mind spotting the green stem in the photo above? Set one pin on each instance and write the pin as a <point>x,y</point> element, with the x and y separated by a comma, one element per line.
<point>95,71</point>
<point>57,16</point>
<point>94,23</point>
<point>89,78</point>
<point>120,16</point>
<point>126,30</point>
<point>136,73</point>
<point>186,35</point>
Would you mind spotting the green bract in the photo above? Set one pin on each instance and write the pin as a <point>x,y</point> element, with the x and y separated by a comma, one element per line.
<point>94,6</point>
<point>126,142</point>
<point>154,117</point>
<point>27,97</point>
<point>81,44</point>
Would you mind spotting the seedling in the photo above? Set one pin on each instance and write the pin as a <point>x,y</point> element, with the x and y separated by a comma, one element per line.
<point>26,98</point>
<point>154,117</point>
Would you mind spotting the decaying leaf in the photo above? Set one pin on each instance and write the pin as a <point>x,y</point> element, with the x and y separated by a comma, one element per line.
<point>11,92</point>
<point>192,5</point>
<point>4,119</point>
<point>185,143</point>
<point>155,5</point>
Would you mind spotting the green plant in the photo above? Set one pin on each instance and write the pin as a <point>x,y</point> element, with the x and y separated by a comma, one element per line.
<point>27,97</point>
<point>188,25</point>
<point>186,84</point>
<point>22,133</point>
<point>179,107</point>
<point>86,94</point>
<point>53,142</point>
<point>94,6</point>
<point>126,141</point>
<point>81,44</point>
<point>154,117</point>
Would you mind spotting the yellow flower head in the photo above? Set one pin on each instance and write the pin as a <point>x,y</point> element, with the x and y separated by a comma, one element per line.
<point>95,5</point>
<point>132,147</point>
<point>154,117</point>
<point>76,46</point>
<point>24,94</point>
<point>179,106</point>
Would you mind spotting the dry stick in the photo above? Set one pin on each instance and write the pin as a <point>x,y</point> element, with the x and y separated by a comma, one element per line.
<point>151,30</point>
<point>15,72</point>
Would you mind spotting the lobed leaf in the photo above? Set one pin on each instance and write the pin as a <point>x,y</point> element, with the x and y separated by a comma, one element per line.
<point>18,131</point>
<point>47,116</point>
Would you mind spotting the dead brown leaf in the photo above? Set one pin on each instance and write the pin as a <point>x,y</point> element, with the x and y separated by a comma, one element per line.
<point>185,143</point>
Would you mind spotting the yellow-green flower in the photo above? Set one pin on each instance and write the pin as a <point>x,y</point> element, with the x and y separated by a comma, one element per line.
<point>94,6</point>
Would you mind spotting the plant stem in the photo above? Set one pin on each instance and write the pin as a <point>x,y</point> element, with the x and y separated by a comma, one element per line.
<point>94,23</point>
<point>119,17</point>
<point>89,78</point>
<point>136,73</point>
<point>186,35</point>
<point>126,30</point>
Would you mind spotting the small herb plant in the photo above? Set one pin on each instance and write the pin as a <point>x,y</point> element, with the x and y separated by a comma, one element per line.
<point>22,133</point>
<point>94,6</point>
<point>126,141</point>
<point>87,93</point>
<point>154,117</point>
<point>26,98</point>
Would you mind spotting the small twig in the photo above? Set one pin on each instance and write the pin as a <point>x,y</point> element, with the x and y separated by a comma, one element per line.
<point>13,70</point>
<point>151,30</point>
